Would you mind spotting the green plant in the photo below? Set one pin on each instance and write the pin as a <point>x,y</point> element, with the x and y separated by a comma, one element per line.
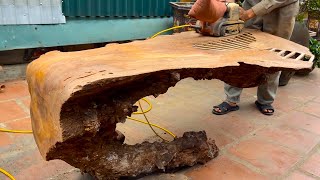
<point>311,7</point>
<point>315,50</point>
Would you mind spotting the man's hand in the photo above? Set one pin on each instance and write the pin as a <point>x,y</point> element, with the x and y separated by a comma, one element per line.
<point>245,15</point>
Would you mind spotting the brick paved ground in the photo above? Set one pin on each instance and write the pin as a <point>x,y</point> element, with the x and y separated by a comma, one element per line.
<point>253,146</point>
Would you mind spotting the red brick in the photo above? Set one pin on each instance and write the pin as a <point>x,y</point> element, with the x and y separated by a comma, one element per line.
<point>20,158</point>
<point>299,91</point>
<point>249,112</point>
<point>220,139</point>
<point>44,170</point>
<point>271,158</point>
<point>5,139</point>
<point>232,124</point>
<point>303,121</point>
<point>223,168</point>
<point>21,139</point>
<point>22,124</point>
<point>311,108</point>
<point>26,102</point>
<point>14,90</point>
<point>286,103</point>
<point>299,176</point>
<point>312,165</point>
<point>311,79</point>
<point>10,110</point>
<point>293,138</point>
<point>29,165</point>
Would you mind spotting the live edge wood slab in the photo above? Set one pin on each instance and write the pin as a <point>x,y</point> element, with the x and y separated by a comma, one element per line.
<point>77,98</point>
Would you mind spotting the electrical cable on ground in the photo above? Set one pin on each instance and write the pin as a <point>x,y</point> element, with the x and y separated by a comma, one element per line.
<point>149,108</point>
<point>150,124</point>
<point>7,174</point>
<point>154,125</point>
<point>169,29</point>
<point>16,131</point>
<point>130,118</point>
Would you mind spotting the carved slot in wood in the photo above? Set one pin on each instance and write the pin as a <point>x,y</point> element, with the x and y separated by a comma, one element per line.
<point>241,41</point>
<point>292,55</point>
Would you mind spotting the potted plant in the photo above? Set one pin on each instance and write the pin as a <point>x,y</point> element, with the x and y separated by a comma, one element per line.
<point>311,8</point>
<point>315,49</point>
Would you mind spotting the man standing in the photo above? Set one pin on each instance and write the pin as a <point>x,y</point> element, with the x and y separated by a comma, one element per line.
<point>276,17</point>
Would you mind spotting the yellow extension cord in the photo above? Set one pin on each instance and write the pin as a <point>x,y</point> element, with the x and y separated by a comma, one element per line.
<point>15,131</point>
<point>7,174</point>
<point>169,29</point>
<point>133,119</point>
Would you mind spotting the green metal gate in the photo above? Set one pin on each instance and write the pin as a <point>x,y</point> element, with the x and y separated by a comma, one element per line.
<point>117,8</point>
<point>121,20</point>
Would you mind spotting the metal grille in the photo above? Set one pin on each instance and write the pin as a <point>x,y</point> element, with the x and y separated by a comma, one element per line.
<point>241,41</point>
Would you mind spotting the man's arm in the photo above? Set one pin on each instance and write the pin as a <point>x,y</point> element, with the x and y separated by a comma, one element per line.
<point>245,15</point>
<point>262,8</point>
<point>266,6</point>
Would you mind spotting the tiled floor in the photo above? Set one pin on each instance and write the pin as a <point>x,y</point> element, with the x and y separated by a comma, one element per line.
<point>252,146</point>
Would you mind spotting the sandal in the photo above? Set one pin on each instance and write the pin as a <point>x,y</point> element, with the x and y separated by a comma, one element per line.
<point>225,108</point>
<point>265,108</point>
